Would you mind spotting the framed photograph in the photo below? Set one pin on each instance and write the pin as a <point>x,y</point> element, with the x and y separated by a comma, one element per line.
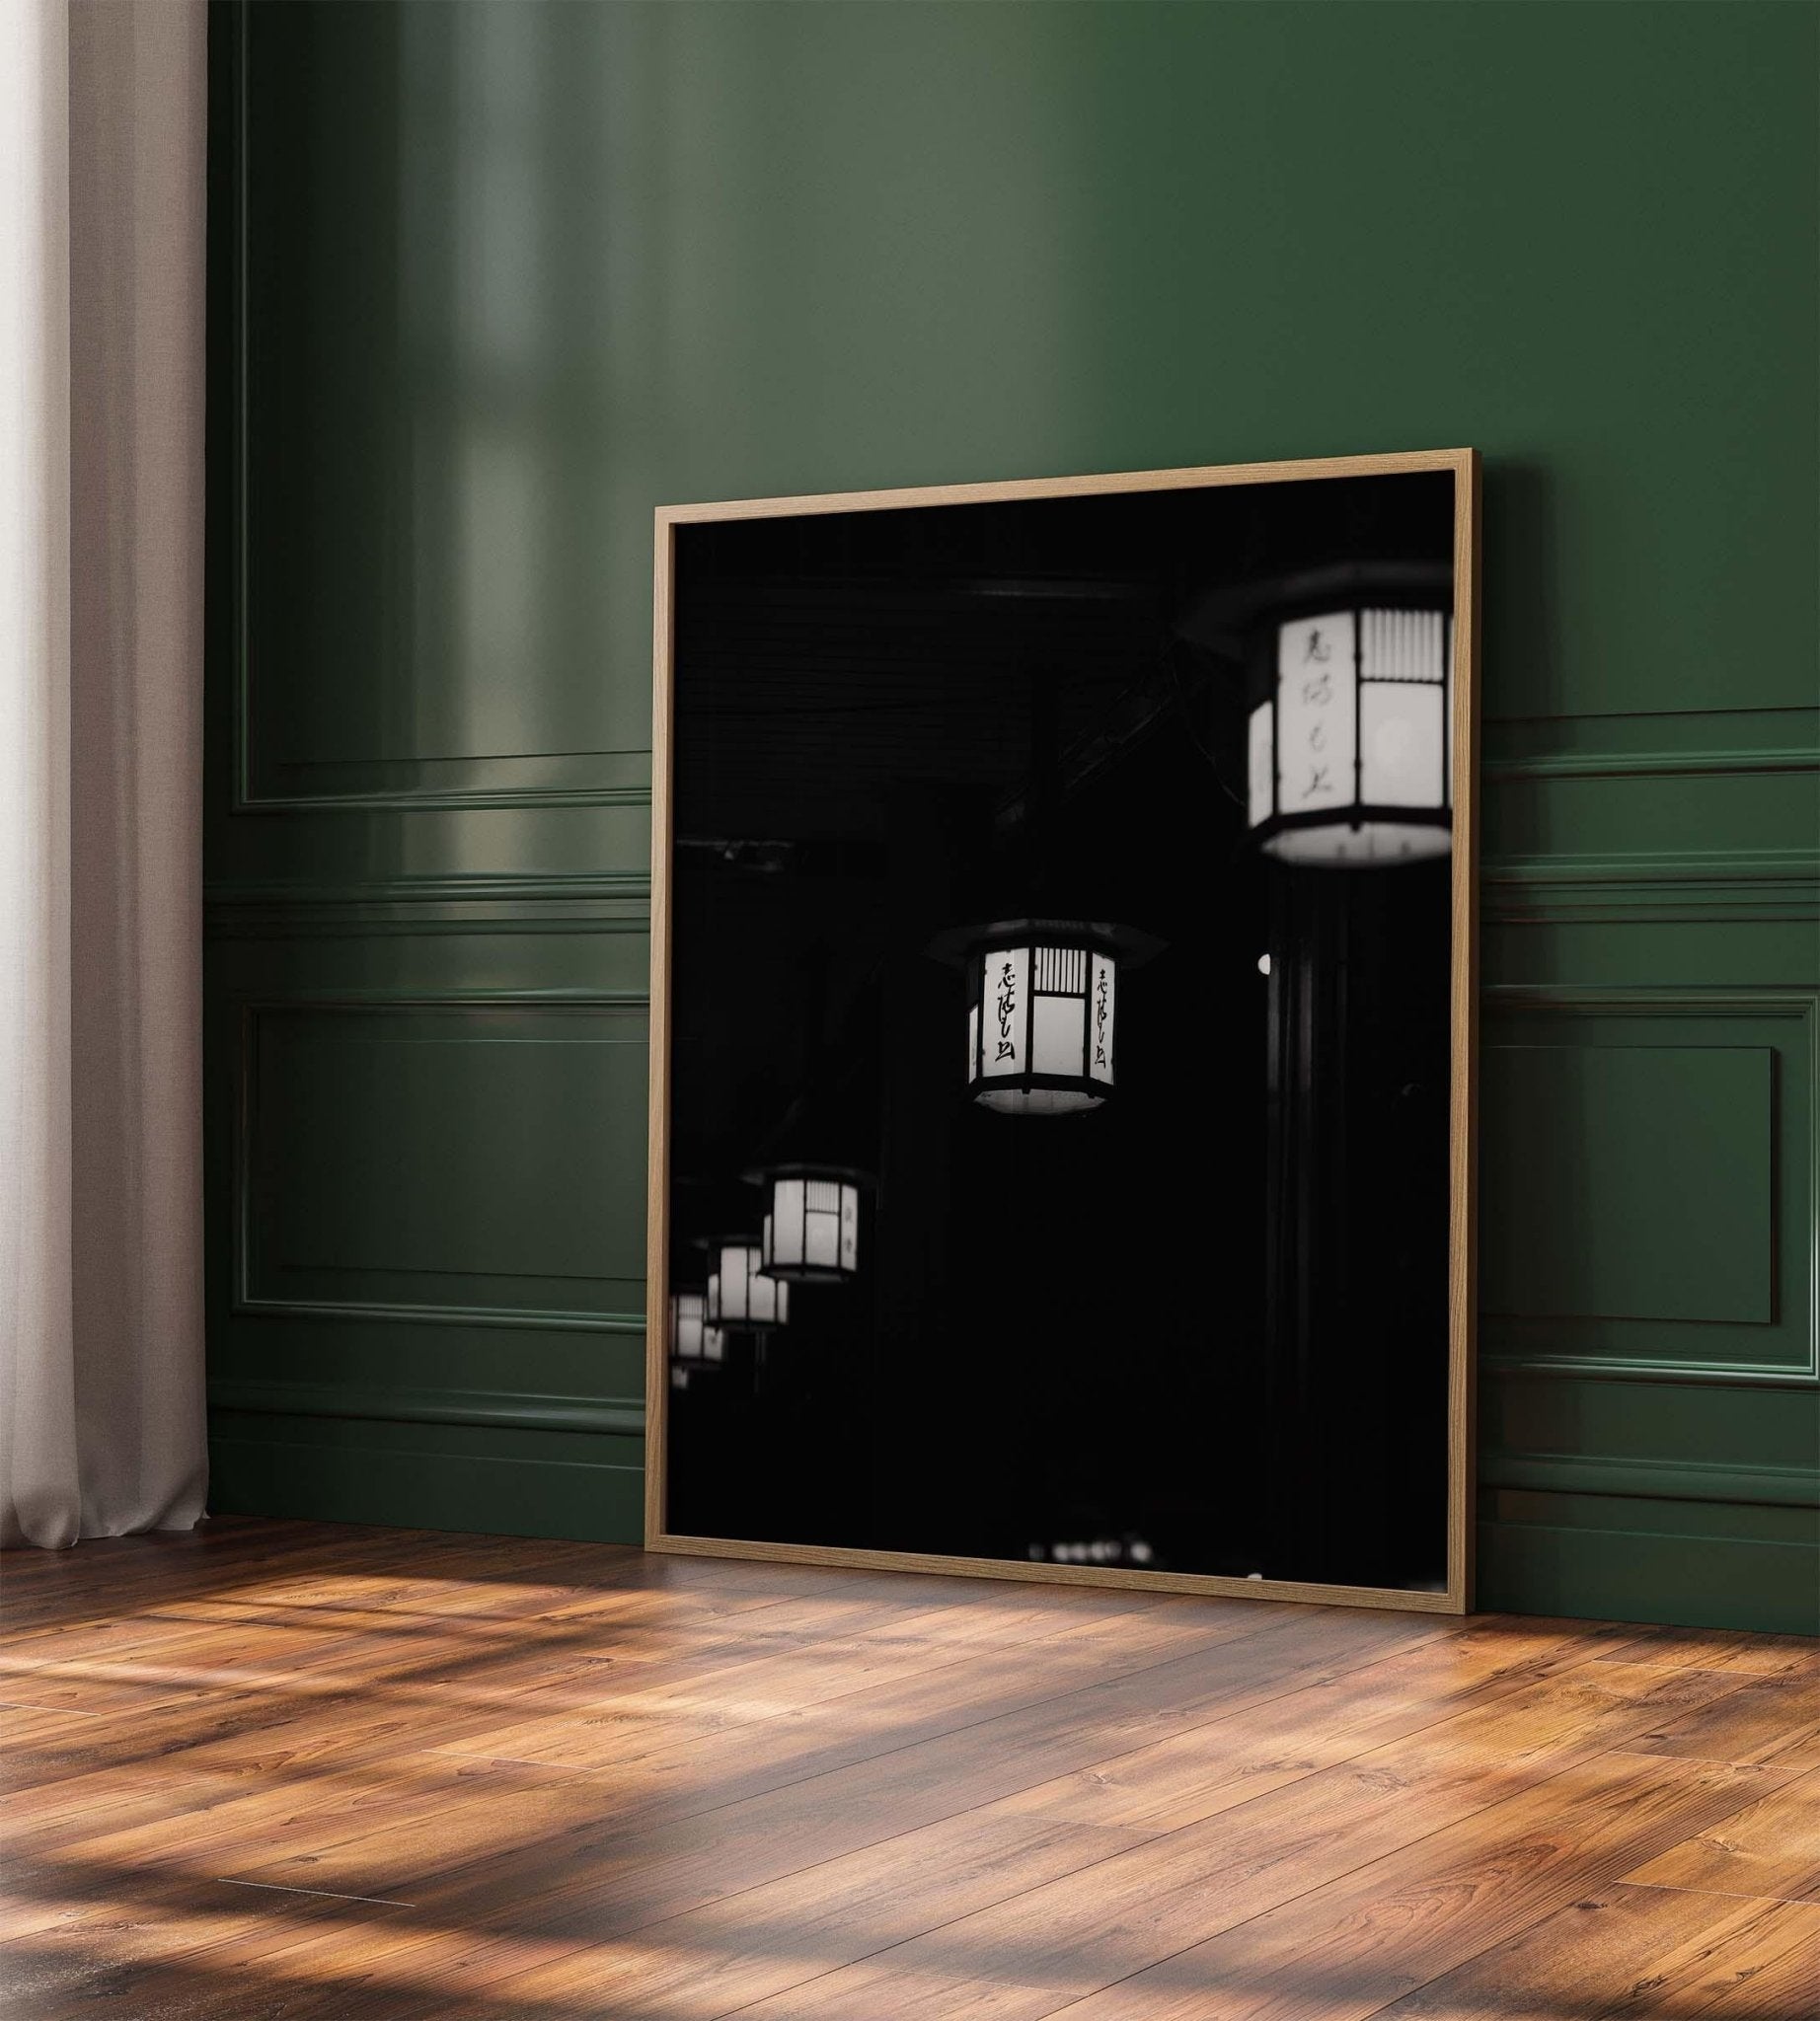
<point>1063,991</point>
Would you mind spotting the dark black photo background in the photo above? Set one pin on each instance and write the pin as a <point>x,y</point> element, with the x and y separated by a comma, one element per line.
<point>1202,1328</point>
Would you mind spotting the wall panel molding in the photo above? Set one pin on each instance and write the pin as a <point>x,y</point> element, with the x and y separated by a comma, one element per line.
<point>375,785</point>
<point>1515,1362</point>
<point>511,1410</point>
<point>610,902</point>
<point>1683,815</point>
<point>1680,1480</point>
<point>1669,743</point>
<point>251,1223</point>
<point>1784,1020</point>
<point>1712,887</point>
<point>511,1318</point>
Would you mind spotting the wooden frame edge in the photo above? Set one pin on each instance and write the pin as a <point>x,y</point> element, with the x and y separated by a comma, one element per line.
<point>1463,1110</point>
<point>1463,1090</point>
<point>657,1138</point>
<point>1017,1571</point>
<point>1093,485</point>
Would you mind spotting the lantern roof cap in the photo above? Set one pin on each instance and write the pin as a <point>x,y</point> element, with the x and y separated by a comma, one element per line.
<point>1214,621</point>
<point>808,1168</point>
<point>1131,945</point>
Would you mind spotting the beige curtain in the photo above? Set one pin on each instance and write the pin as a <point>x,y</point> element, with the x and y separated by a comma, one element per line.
<point>101,581</point>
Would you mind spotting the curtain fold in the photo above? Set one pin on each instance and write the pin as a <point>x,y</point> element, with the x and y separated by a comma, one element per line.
<point>101,1304</point>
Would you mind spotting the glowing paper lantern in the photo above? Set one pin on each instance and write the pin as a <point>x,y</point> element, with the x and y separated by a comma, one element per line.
<point>1350,760</point>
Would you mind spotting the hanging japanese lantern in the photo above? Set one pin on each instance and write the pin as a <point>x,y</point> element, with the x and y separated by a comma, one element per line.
<point>739,1294</point>
<point>692,1339</point>
<point>812,1233</point>
<point>1349,758</point>
<point>1042,1018</point>
<point>1042,1010</point>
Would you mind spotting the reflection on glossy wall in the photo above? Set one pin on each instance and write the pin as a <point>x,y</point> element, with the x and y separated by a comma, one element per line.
<point>517,272</point>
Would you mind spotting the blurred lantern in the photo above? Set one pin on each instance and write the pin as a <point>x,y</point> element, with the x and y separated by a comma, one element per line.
<point>739,1294</point>
<point>811,1234</point>
<point>692,1340</point>
<point>1349,761</point>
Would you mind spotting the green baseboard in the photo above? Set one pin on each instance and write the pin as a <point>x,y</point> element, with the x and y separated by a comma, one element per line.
<point>588,1488</point>
<point>1686,1581</point>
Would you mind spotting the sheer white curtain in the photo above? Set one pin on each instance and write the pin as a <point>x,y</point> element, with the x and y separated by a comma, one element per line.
<point>102,121</point>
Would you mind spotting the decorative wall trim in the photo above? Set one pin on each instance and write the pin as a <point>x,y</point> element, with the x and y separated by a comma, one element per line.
<point>245,1302</point>
<point>1763,886</point>
<point>1524,1368</point>
<point>1793,866</point>
<point>1588,1368</point>
<point>1661,1480</point>
<point>249,800</point>
<point>1668,1001</point>
<point>1670,743</point>
<point>1662,891</point>
<point>607,902</point>
<point>364,999</point>
<point>506,1409</point>
<point>1661,886</point>
<point>1647,764</point>
<point>500,1317</point>
<point>445,887</point>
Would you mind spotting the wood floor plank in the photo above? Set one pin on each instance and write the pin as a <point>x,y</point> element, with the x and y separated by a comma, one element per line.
<point>126,1577</point>
<point>1175,1896</point>
<point>614,1872</point>
<point>1719,1649</point>
<point>532,1671</point>
<point>1343,1950</point>
<point>302,1819</point>
<point>1772,1849</point>
<point>454,1669</point>
<point>1639,1954</point>
<point>770,1685</point>
<point>234,1731</point>
<point>1239,1755</point>
<point>1770,1975</point>
<point>1772,1717</point>
<point>870,1992</point>
<point>712,1960</point>
<point>836,1778</point>
<point>1801,1753</point>
<point>574,1779</point>
<point>728,1951</point>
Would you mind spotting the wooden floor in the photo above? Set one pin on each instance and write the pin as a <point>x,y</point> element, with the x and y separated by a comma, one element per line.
<point>285,1769</point>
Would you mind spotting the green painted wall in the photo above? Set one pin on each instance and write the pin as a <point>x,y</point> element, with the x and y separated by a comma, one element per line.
<point>494,279</point>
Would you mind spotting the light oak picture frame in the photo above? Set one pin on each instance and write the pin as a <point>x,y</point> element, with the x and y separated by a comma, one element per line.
<point>1457,1596</point>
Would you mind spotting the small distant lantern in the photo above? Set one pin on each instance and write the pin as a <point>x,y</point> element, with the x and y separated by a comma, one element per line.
<point>692,1341</point>
<point>811,1234</point>
<point>739,1294</point>
<point>1348,758</point>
